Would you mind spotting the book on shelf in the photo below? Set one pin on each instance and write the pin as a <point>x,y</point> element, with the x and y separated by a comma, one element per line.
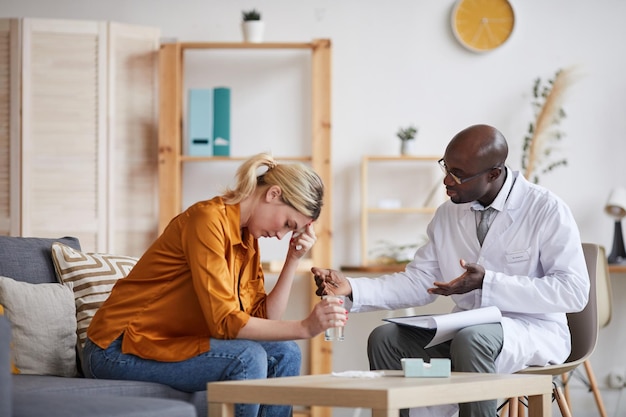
<point>200,121</point>
<point>447,325</point>
<point>208,121</point>
<point>221,121</point>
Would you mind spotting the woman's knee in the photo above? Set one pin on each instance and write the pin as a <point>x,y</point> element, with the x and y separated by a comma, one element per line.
<point>283,358</point>
<point>292,352</point>
<point>252,361</point>
<point>291,360</point>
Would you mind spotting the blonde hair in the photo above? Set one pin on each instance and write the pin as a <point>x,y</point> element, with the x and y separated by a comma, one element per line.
<point>301,187</point>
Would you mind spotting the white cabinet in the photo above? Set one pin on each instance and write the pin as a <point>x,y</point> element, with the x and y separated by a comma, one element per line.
<point>78,140</point>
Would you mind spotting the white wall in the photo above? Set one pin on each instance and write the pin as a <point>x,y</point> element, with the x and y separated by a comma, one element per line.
<point>396,62</point>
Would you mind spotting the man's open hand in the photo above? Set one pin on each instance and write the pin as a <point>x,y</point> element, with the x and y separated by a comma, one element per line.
<point>471,279</point>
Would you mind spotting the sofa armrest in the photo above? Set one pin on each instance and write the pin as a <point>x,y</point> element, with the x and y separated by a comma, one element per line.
<point>6,379</point>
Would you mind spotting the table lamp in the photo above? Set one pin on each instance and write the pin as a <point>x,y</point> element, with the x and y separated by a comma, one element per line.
<point>616,207</point>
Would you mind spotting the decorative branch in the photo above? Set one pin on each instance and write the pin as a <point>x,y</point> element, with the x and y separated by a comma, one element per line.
<point>544,132</point>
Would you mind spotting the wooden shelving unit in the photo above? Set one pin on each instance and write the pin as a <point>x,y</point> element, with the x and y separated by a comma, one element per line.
<point>367,209</point>
<point>374,269</point>
<point>399,267</point>
<point>617,268</point>
<point>171,158</point>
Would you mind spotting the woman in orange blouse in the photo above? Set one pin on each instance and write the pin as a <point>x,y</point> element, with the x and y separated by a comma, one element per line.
<point>194,308</point>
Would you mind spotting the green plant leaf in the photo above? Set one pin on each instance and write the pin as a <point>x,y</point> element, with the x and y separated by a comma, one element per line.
<point>249,15</point>
<point>407,133</point>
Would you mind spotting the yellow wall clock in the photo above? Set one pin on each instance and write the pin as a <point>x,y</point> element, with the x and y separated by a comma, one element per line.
<point>482,25</point>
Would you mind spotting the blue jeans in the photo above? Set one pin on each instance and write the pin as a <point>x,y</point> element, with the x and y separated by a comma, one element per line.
<point>227,360</point>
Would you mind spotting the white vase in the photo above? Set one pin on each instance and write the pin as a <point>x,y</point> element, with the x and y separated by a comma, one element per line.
<point>253,31</point>
<point>406,147</point>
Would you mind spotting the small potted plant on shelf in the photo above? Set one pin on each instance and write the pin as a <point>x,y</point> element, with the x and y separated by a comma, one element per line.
<point>252,26</point>
<point>406,135</point>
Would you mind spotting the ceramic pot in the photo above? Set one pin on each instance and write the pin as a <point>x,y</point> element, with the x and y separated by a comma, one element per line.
<point>253,31</point>
<point>406,147</point>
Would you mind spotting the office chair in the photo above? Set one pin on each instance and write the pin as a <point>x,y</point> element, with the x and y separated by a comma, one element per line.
<point>584,327</point>
<point>605,308</point>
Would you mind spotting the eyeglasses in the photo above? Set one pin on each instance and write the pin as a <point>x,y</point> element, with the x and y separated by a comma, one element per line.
<point>459,180</point>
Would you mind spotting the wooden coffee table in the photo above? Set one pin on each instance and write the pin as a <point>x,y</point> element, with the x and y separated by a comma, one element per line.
<point>385,395</point>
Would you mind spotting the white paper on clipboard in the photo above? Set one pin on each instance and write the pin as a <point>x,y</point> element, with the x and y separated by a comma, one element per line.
<point>447,325</point>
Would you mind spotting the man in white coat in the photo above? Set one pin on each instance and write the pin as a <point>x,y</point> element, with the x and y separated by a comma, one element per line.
<point>530,265</point>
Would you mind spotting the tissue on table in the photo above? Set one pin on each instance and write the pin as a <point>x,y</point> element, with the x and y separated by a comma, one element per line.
<point>359,374</point>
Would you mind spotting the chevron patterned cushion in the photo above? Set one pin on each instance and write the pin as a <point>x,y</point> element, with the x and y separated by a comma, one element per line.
<point>91,277</point>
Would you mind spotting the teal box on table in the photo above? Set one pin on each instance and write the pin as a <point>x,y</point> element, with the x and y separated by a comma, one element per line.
<point>416,367</point>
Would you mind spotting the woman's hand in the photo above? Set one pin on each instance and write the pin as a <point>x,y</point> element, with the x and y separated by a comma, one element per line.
<point>330,282</point>
<point>302,241</point>
<point>327,313</point>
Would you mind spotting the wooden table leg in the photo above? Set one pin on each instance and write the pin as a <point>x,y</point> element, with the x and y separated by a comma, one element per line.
<point>221,410</point>
<point>540,405</point>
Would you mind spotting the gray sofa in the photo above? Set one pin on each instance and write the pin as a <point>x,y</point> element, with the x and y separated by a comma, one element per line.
<point>27,395</point>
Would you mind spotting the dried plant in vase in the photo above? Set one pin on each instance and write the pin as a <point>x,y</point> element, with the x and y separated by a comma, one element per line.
<point>539,143</point>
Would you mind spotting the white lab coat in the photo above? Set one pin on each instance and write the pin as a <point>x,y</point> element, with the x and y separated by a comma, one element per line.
<point>535,272</point>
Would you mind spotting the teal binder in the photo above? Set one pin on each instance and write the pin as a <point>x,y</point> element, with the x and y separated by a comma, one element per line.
<point>200,121</point>
<point>221,121</point>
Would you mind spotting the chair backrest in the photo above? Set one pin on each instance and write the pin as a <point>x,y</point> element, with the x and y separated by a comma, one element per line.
<point>584,324</point>
<point>603,288</point>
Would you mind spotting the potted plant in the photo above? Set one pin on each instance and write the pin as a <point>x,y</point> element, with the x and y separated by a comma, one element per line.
<point>406,135</point>
<point>252,26</point>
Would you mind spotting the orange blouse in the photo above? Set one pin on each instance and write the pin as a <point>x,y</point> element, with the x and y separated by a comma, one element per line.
<point>201,278</point>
